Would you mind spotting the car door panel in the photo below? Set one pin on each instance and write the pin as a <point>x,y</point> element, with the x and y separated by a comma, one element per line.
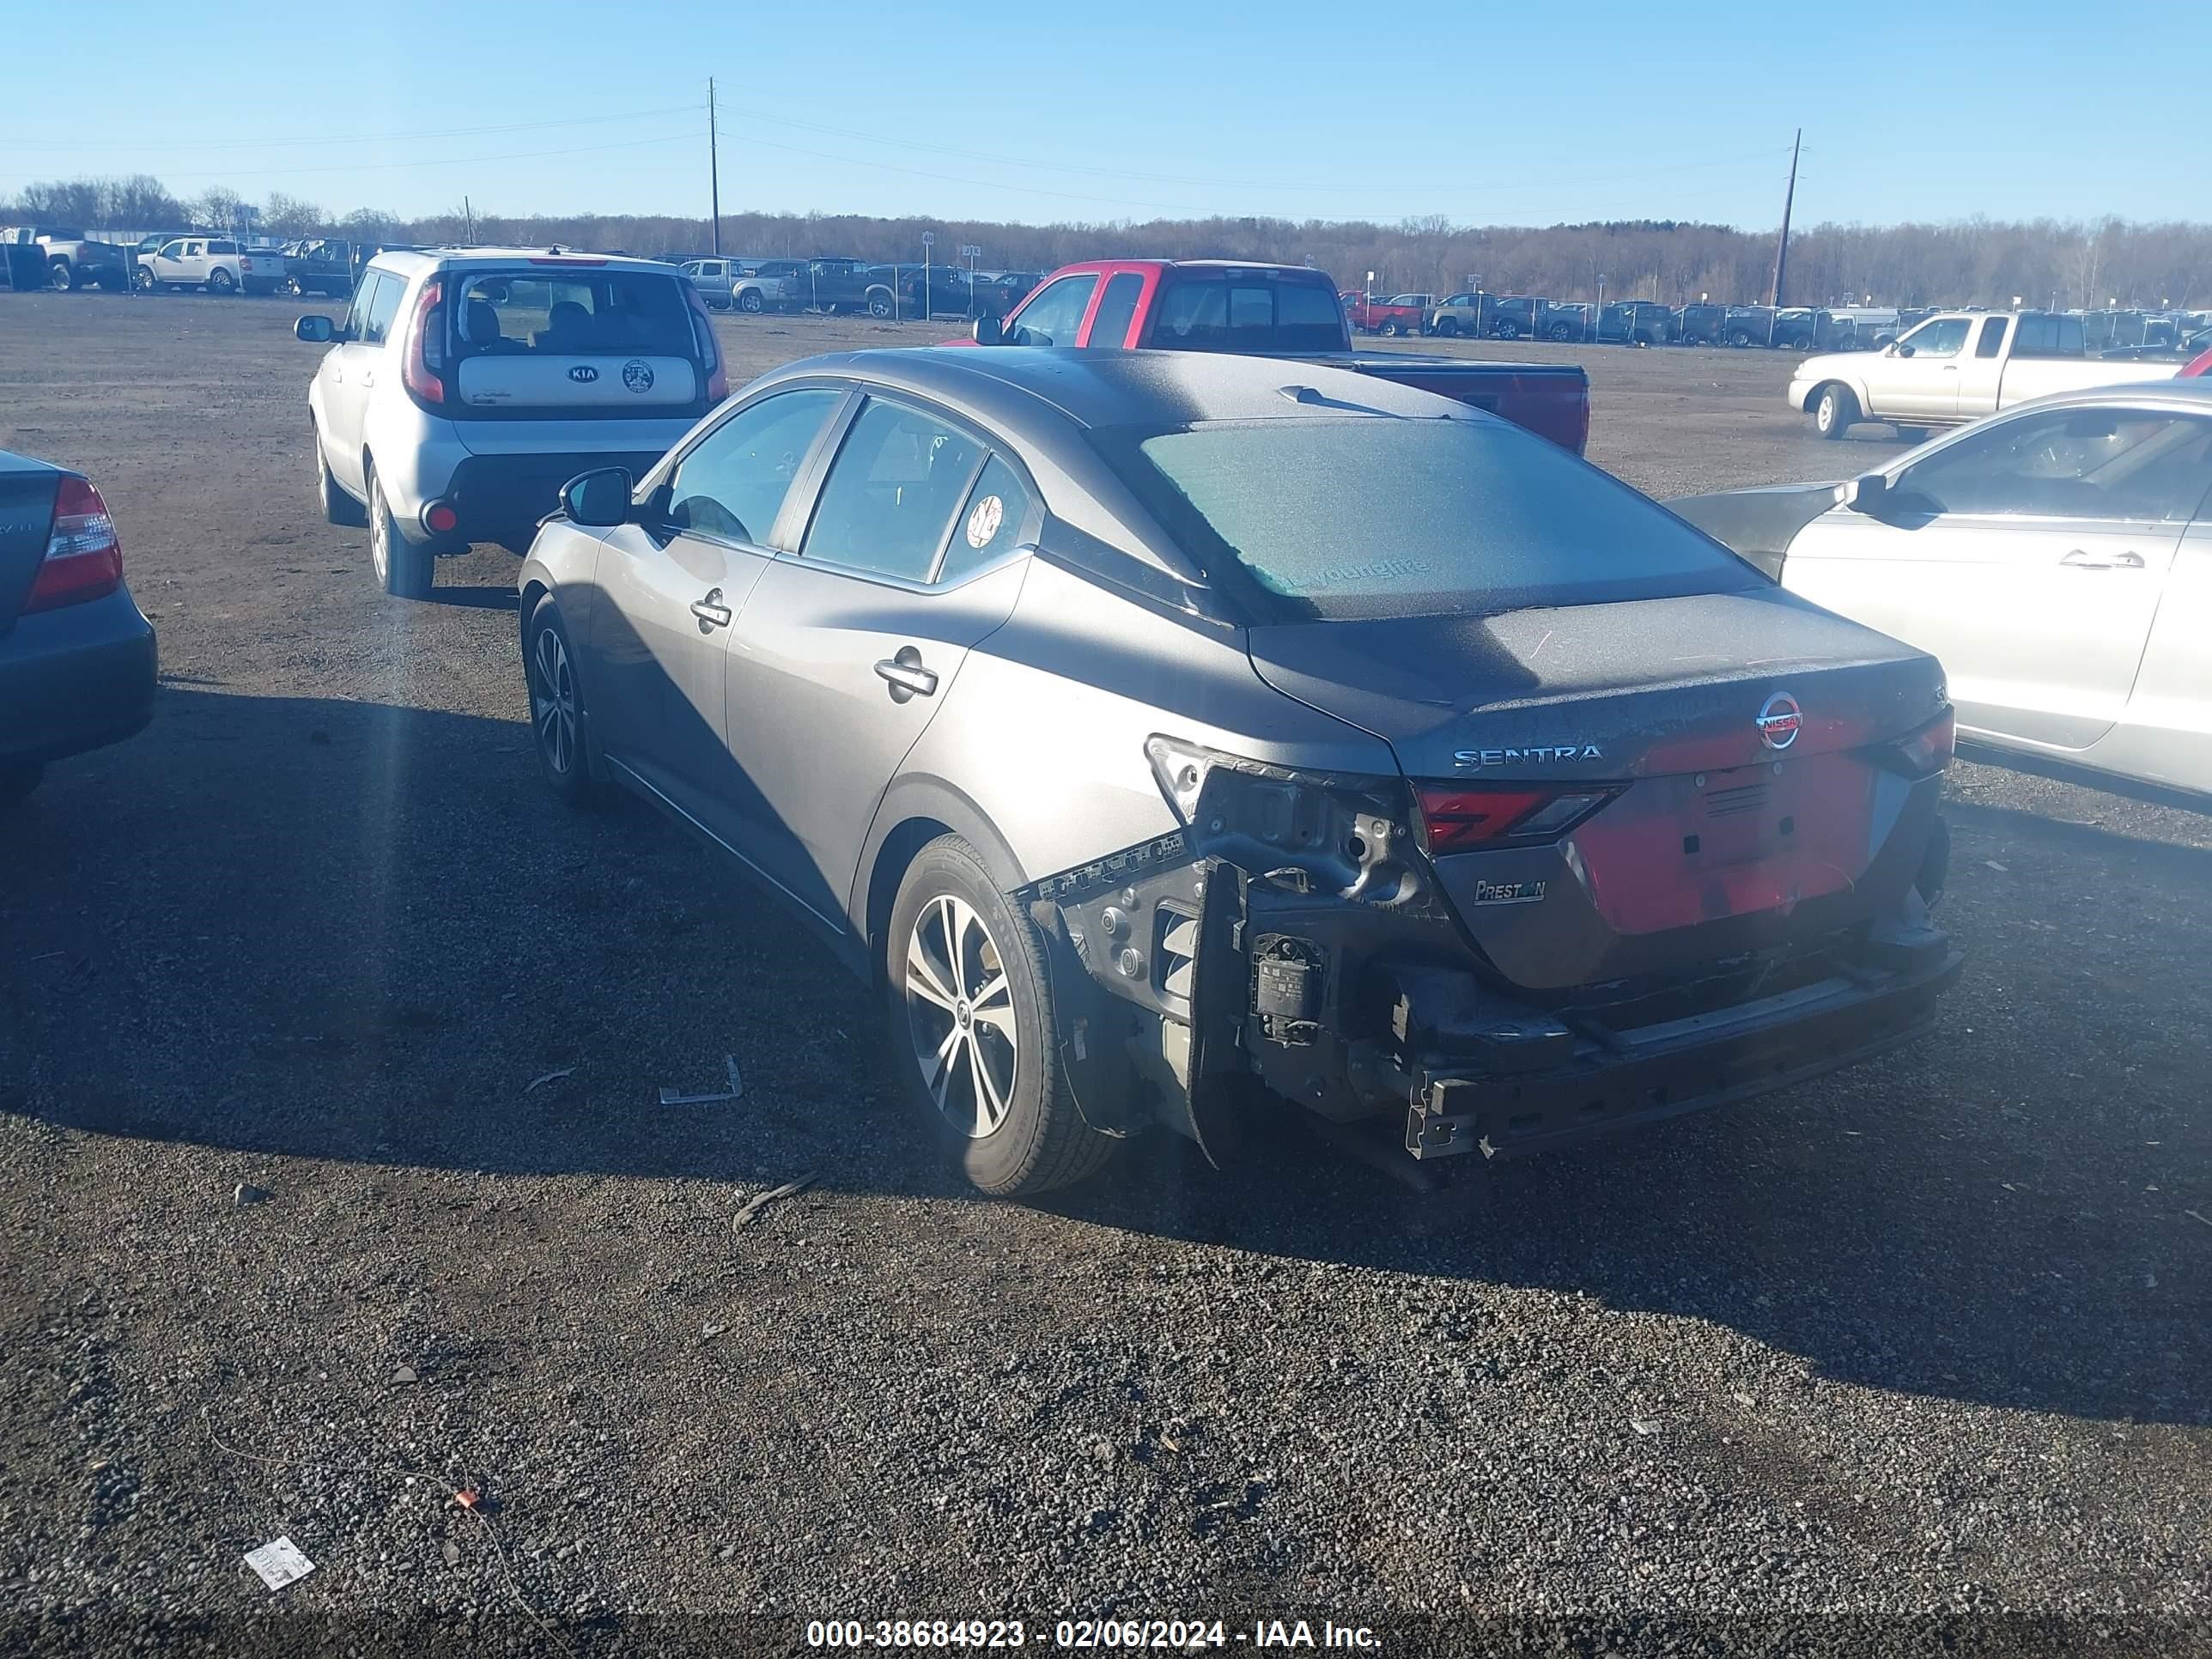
<point>814,724</point>
<point>2165,733</point>
<point>2039,623</point>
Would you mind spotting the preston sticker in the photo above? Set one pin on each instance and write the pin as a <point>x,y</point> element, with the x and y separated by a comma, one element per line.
<point>983,522</point>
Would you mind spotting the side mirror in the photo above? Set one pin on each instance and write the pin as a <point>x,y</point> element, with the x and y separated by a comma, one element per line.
<point>988,330</point>
<point>599,499</point>
<point>315,330</point>
<point>1865,493</point>
<point>1903,351</point>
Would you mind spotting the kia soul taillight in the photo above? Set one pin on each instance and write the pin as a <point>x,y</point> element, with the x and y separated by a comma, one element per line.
<point>83,560</point>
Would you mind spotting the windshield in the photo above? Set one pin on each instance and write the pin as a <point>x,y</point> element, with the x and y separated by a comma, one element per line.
<point>1365,517</point>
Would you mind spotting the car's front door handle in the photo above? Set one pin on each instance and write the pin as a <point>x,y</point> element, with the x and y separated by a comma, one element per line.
<point>711,611</point>
<point>2080,560</point>
<point>906,676</point>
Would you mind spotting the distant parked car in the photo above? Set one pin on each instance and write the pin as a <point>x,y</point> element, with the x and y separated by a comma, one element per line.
<point>77,659</point>
<point>74,259</point>
<point>322,265</point>
<point>1636,322</point>
<point>466,386</point>
<point>2054,558</point>
<point>216,264</point>
<point>728,284</point>
<point>1701,324</point>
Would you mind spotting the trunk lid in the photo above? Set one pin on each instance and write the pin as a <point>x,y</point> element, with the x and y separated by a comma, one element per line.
<point>26,517</point>
<point>1713,840</point>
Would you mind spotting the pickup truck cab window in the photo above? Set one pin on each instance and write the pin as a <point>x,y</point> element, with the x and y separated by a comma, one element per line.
<point>1117,309</point>
<point>1054,315</point>
<point>1939,336</point>
<point>1217,315</point>
<point>1992,340</point>
<point>2068,463</point>
<point>887,505</point>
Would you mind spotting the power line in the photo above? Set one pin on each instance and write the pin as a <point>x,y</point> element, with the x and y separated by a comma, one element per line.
<point>350,138</point>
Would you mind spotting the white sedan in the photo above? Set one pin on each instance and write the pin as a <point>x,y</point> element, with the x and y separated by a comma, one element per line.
<point>2056,558</point>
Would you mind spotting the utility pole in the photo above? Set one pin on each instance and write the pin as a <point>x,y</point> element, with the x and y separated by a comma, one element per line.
<point>714,169</point>
<point>469,220</point>
<point>1781,246</point>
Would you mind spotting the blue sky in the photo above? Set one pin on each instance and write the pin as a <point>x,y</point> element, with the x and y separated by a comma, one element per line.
<point>1039,113</point>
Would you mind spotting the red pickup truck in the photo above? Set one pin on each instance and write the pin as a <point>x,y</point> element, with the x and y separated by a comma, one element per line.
<point>1402,313</point>
<point>1271,311</point>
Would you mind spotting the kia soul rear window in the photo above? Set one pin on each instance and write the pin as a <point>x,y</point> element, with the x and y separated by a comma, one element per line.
<point>582,313</point>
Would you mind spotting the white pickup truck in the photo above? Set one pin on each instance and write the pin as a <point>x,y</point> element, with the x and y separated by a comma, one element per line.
<point>1954,367</point>
<point>218,264</point>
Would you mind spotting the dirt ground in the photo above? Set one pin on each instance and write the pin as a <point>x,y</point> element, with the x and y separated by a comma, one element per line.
<point>1926,1339</point>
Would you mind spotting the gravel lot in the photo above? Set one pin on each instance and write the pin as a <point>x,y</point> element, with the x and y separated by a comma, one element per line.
<point>1929,1339</point>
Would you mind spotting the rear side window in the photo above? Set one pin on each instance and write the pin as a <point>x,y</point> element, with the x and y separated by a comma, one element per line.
<point>383,306</point>
<point>579,313</point>
<point>1201,314</point>
<point>1335,520</point>
<point>1992,337</point>
<point>2036,335</point>
<point>887,505</point>
<point>1117,309</point>
<point>732,481</point>
<point>990,522</point>
<point>222,247</point>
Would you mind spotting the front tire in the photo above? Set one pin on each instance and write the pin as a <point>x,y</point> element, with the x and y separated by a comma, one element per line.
<point>1448,328</point>
<point>61,276</point>
<point>974,1034</point>
<point>338,508</point>
<point>143,281</point>
<point>880,306</point>
<point>1389,328</point>
<point>1834,411</point>
<point>405,569</point>
<point>558,729</point>
<point>750,302</point>
<point>1508,331</point>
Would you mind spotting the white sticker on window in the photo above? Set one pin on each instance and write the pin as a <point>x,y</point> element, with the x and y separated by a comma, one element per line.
<point>983,522</point>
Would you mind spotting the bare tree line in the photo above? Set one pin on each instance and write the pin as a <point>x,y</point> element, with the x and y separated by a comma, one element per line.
<point>1967,262</point>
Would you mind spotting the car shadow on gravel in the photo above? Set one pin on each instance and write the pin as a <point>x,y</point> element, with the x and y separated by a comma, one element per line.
<point>326,930</point>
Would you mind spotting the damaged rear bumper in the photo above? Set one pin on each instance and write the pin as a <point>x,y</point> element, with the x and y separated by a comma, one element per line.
<point>1584,1079</point>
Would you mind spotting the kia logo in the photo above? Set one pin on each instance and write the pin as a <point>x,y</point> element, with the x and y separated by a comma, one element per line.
<point>583,374</point>
<point>1779,719</point>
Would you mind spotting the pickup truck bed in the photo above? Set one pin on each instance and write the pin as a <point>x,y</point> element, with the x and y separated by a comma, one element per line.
<point>1286,311</point>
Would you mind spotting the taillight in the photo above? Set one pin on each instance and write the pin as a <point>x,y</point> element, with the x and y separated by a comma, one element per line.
<point>423,373</point>
<point>702,327</point>
<point>1458,818</point>
<point>83,559</point>
<point>1928,750</point>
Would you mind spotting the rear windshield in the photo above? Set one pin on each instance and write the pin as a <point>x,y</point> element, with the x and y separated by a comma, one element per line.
<point>1337,519</point>
<point>1196,314</point>
<point>574,312</point>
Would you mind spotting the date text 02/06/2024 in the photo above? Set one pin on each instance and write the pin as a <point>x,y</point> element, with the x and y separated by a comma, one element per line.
<point>1114,1635</point>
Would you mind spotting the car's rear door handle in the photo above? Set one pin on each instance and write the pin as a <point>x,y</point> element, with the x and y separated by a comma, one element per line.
<point>711,611</point>
<point>2080,560</point>
<point>906,676</point>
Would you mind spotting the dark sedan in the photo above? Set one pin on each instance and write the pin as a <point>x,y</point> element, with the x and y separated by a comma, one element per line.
<point>77,657</point>
<point>1144,723</point>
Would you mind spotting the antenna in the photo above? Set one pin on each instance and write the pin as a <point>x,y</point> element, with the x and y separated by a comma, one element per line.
<point>1781,246</point>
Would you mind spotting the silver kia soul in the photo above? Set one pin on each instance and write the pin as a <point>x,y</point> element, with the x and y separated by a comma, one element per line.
<point>466,385</point>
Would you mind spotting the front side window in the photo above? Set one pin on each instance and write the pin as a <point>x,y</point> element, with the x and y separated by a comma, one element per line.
<point>1330,520</point>
<point>1055,315</point>
<point>364,296</point>
<point>889,503</point>
<point>173,251</point>
<point>2069,464</point>
<point>585,313</point>
<point>1944,337</point>
<point>732,481</point>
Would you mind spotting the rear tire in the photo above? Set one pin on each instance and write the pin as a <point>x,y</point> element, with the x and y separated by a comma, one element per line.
<point>1563,332</point>
<point>222,281</point>
<point>1507,330</point>
<point>990,1082</point>
<point>1834,411</point>
<point>1389,328</point>
<point>338,508</point>
<point>559,730</point>
<point>17,782</point>
<point>405,569</point>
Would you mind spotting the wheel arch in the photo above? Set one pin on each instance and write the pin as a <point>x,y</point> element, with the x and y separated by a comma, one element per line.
<point>1812,394</point>
<point>914,812</point>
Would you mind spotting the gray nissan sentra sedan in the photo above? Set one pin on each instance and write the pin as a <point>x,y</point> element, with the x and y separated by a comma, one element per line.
<point>1143,724</point>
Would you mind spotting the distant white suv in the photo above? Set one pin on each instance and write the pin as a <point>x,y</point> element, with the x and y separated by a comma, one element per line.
<point>216,264</point>
<point>466,386</point>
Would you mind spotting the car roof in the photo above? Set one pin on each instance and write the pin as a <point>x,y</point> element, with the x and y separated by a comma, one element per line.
<point>410,261</point>
<point>2190,397</point>
<point>1018,387</point>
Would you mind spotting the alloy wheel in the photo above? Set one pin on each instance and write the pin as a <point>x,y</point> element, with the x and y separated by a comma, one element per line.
<point>960,1015</point>
<point>380,542</point>
<point>553,700</point>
